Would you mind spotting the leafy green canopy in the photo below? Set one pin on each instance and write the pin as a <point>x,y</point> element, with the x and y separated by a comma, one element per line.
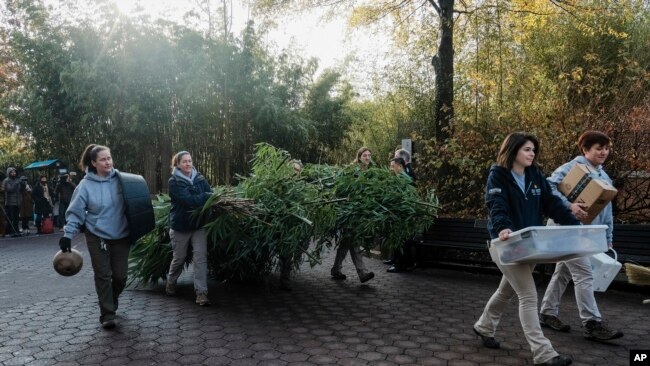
<point>163,83</point>
<point>295,216</point>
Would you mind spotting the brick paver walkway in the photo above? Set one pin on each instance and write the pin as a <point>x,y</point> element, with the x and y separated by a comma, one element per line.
<point>420,318</point>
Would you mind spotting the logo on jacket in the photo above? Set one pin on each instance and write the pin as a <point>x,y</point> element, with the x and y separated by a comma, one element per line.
<point>536,191</point>
<point>494,191</point>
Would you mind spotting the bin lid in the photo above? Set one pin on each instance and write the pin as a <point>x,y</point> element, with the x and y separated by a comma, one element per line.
<point>547,228</point>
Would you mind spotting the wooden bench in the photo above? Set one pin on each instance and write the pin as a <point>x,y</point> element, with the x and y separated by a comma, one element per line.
<point>632,243</point>
<point>455,240</point>
<point>456,233</point>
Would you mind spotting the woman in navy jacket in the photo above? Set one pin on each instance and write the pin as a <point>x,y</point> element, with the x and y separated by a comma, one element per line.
<point>518,196</point>
<point>188,190</point>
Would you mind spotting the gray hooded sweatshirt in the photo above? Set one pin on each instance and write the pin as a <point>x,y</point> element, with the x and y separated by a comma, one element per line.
<point>97,202</point>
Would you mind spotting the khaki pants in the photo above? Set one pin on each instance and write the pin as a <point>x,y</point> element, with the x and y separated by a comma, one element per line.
<point>517,279</point>
<point>181,241</point>
<point>578,269</point>
<point>346,246</point>
<point>111,267</point>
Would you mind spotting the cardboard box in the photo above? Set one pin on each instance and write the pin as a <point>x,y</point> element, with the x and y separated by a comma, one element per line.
<point>581,186</point>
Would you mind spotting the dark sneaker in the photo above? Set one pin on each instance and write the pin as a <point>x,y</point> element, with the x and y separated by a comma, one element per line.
<point>390,262</point>
<point>557,361</point>
<point>597,331</point>
<point>339,276</point>
<point>488,342</point>
<point>367,277</point>
<point>108,324</point>
<point>553,322</point>
<point>170,288</point>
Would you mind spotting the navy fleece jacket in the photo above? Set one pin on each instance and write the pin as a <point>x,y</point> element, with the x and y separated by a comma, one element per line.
<point>510,208</point>
<point>187,193</point>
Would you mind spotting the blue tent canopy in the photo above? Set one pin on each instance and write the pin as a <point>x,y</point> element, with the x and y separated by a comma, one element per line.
<point>42,164</point>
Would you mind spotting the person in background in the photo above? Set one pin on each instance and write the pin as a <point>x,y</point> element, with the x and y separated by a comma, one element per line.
<point>408,168</point>
<point>54,197</point>
<point>401,262</point>
<point>98,204</point>
<point>364,158</point>
<point>64,189</point>
<point>188,190</point>
<point>595,147</point>
<point>398,166</point>
<point>518,196</point>
<point>42,201</point>
<point>12,187</point>
<point>3,216</point>
<point>363,161</point>
<point>26,207</point>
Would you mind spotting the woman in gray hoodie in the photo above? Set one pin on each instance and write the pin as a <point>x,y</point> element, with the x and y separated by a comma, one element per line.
<point>97,204</point>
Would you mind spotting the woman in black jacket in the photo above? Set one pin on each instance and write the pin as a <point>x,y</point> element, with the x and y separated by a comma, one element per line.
<point>41,194</point>
<point>518,196</point>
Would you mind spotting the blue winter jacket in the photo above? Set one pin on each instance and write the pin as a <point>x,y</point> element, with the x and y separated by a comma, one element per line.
<point>187,193</point>
<point>510,208</point>
<point>605,217</point>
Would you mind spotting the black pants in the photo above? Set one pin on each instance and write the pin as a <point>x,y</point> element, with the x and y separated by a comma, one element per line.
<point>12,219</point>
<point>40,216</point>
<point>24,223</point>
<point>404,260</point>
<point>63,207</point>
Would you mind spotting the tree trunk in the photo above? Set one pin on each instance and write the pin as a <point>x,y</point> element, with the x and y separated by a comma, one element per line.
<point>443,63</point>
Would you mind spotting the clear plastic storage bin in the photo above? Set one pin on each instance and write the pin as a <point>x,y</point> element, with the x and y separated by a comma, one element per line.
<point>549,244</point>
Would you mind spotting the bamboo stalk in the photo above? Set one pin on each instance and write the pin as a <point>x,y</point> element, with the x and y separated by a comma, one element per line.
<point>637,275</point>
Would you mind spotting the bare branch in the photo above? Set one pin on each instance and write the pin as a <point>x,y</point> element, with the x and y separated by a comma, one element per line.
<point>489,6</point>
<point>410,14</point>
<point>389,9</point>
<point>435,6</point>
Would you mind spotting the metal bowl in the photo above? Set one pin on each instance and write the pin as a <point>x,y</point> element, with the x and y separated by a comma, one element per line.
<point>68,263</point>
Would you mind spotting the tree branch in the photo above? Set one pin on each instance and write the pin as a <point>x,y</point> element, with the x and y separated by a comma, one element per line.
<point>435,6</point>
<point>410,15</point>
<point>508,9</point>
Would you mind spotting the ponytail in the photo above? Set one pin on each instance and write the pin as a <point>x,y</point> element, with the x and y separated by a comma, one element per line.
<point>89,155</point>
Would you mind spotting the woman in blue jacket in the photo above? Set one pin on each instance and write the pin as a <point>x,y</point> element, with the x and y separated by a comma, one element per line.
<point>188,190</point>
<point>594,146</point>
<point>518,196</point>
<point>97,203</point>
